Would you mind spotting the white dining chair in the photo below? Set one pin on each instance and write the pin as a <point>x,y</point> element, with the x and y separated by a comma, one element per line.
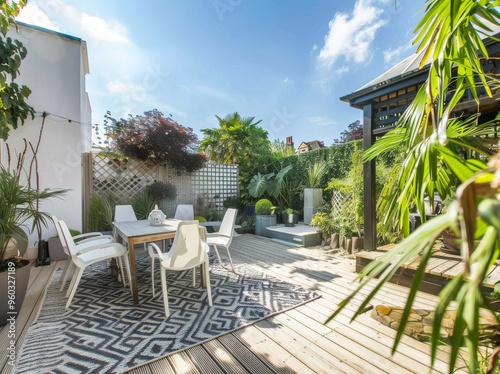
<point>93,255</point>
<point>82,243</point>
<point>184,212</point>
<point>224,236</point>
<point>188,252</point>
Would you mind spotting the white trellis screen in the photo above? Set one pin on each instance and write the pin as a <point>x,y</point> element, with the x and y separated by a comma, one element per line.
<point>206,188</point>
<point>338,200</point>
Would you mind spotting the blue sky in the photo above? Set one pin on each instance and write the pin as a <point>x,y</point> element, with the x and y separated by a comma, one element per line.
<point>283,62</point>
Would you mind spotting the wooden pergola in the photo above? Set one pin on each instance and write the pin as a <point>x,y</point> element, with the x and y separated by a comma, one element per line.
<point>384,99</point>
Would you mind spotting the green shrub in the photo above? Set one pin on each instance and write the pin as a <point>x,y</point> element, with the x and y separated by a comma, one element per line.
<point>263,207</point>
<point>161,191</point>
<point>200,219</point>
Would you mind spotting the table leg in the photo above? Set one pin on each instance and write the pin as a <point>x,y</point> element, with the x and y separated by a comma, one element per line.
<point>202,275</point>
<point>133,281</point>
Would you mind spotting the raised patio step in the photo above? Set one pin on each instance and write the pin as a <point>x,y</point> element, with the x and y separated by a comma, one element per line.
<point>300,235</point>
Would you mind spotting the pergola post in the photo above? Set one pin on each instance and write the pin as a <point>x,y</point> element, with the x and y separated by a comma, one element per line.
<point>369,177</point>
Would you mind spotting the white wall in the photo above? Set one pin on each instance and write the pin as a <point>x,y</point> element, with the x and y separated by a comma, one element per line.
<point>55,72</point>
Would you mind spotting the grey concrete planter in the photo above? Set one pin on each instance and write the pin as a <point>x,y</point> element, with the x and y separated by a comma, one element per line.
<point>263,221</point>
<point>313,200</point>
<point>56,250</point>
<point>18,282</point>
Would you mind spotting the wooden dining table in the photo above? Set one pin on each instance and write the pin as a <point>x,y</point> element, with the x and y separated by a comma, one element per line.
<point>139,232</point>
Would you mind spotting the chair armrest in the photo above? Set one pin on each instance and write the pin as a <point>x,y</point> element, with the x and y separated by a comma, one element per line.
<point>90,245</point>
<point>155,248</point>
<point>215,234</point>
<point>89,240</point>
<point>87,235</point>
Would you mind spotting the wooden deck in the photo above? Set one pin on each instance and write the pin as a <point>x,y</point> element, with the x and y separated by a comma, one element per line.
<point>441,268</point>
<point>295,341</point>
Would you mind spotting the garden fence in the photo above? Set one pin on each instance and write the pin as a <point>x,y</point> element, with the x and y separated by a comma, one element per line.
<point>206,188</point>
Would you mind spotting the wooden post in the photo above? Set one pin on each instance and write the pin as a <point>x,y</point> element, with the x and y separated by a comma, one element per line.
<point>87,176</point>
<point>370,217</point>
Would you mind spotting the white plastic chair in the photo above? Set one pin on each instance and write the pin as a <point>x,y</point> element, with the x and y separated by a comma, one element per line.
<point>188,251</point>
<point>184,212</point>
<point>85,241</point>
<point>224,236</point>
<point>94,254</point>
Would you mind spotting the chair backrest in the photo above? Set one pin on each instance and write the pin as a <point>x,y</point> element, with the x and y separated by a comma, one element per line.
<point>184,212</point>
<point>227,225</point>
<point>188,250</point>
<point>60,235</point>
<point>124,213</point>
<point>63,232</point>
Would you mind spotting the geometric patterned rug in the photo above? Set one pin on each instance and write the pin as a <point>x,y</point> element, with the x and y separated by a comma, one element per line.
<point>103,332</point>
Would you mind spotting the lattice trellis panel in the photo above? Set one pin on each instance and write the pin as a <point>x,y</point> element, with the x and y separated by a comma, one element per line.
<point>205,189</point>
<point>338,200</point>
<point>121,179</point>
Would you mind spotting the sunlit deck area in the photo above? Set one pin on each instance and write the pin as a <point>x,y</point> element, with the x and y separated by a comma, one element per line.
<point>289,342</point>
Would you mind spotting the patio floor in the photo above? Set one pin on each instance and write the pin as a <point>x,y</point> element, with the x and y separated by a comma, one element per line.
<point>295,341</point>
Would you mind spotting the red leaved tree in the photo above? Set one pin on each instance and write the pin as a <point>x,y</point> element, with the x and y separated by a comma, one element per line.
<point>155,139</point>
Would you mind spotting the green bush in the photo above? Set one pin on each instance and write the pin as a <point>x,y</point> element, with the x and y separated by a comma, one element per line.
<point>161,191</point>
<point>263,207</point>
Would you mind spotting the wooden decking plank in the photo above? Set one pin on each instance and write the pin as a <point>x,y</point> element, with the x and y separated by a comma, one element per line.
<point>269,350</point>
<point>141,370</point>
<point>29,310</point>
<point>341,298</point>
<point>182,363</point>
<point>441,269</point>
<point>319,360</point>
<point>203,360</point>
<point>313,279</point>
<point>345,349</point>
<point>373,339</point>
<point>493,277</point>
<point>162,366</point>
<point>370,255</point>
<point>224,357</point>
<point>246,357</point>
<point>454,271</point>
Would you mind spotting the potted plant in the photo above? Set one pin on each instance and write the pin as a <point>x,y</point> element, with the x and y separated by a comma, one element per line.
<point>313,196</point>
<point>56,249</point>
<point>264,216</point>
<point>17,206</point>
<point>290,217</point>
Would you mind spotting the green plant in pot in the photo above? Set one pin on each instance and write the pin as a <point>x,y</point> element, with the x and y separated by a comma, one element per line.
<point>17,207</point>
<point>264,216</point>
<point>290,217</point>
<point>313,196</point>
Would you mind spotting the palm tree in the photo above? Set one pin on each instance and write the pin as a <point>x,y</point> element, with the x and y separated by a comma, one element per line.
<point>232,142</point>
<point>450,42</point>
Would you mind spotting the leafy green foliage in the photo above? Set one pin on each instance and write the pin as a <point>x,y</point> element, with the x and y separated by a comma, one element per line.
<point>279,150</point>
<point>326,223</point>
<point>143,204</point>
<point>263,207</point>
<point>155,139</point>
<point>315,173</point>
<point>101,213</point>
<point>238,140</point>
<point>449,37</point>
<point>269,183</point>
<point>354,132</point>
<point>17,205</point>
<point>13,108</point>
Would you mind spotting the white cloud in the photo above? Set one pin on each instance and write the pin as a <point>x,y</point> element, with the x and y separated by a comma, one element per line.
<point>342,70</point>
<point>393,56</point>
<point>314,48</point>
<point>322,121</point>
<point>89,27</point>
<point>350,35</point>
<point>103,30</point>
<point>33,15</point>
<point>285,80</point>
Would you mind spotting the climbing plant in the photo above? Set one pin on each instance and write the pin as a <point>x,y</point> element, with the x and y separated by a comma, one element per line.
<point>13,107</point>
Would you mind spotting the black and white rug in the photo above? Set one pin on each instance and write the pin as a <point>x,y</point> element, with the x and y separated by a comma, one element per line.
<point>103,332</point>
